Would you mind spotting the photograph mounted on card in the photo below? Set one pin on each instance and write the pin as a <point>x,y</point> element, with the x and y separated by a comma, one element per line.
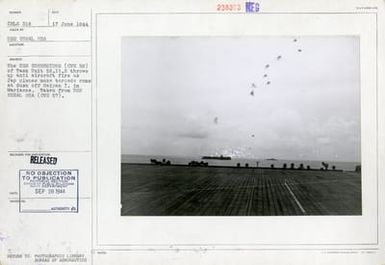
<point>205,128</point>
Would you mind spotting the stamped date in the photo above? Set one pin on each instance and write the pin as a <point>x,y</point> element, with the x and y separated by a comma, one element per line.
<point>49,190</point>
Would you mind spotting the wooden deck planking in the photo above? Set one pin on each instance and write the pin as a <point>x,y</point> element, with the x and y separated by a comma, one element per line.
<point>151,190</point>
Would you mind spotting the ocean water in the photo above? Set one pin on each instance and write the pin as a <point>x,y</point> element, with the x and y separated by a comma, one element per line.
<point>347,166</point>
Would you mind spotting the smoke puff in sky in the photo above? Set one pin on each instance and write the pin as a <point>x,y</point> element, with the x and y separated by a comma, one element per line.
<point>191,96</point>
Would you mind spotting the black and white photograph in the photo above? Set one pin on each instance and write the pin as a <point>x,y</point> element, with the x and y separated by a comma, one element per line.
<point>240,126</point>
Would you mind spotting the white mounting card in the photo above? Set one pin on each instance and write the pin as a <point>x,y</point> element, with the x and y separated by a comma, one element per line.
<point>185,132</point>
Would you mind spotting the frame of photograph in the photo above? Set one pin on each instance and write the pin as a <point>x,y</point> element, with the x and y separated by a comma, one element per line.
<point>108,234</point>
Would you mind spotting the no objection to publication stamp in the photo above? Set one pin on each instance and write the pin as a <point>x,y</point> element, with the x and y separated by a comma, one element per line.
<point>48,190</point>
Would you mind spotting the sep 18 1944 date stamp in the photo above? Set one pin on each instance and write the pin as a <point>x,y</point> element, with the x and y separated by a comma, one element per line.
<point>49,190</point>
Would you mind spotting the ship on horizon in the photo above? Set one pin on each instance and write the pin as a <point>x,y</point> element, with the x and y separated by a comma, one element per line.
<point>221,157</point>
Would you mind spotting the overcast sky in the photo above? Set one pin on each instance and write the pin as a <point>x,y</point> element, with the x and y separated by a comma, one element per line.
<point>191,96</point>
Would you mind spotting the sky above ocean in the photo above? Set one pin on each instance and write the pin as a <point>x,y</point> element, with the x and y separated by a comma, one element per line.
<point>280,97</point>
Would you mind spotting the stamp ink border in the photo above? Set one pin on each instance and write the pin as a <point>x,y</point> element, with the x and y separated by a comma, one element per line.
<point>47,211</point>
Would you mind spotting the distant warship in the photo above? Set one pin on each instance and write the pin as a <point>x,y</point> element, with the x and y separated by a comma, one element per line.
<point>221,157</point>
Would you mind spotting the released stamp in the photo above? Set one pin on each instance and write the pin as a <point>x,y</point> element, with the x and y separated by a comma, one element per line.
<point>48,190</point>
